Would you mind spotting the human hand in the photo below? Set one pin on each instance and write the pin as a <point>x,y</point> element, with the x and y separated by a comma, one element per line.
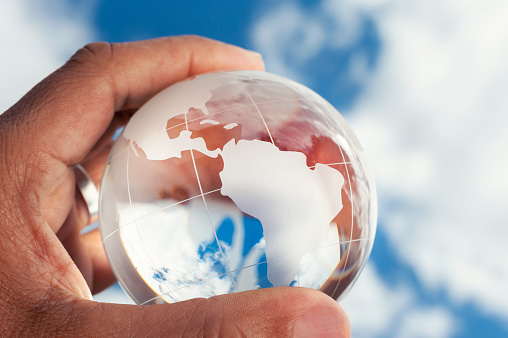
<point>47,268</point>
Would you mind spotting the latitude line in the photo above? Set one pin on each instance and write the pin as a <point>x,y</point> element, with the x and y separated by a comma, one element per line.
<point>125,148</point>
<point>251,266</point>
<point>156,211</point>
<point>198,196</point>
<point>232,109</point>
<point>319,247</point>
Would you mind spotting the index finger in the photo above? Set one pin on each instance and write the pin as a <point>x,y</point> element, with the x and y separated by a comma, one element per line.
<point>67,112</point>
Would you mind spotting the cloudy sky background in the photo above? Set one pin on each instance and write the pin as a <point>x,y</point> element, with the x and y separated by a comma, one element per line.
<point>424,84</point>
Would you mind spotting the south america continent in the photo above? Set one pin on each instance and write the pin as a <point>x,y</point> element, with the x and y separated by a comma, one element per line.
<point>294,203</point>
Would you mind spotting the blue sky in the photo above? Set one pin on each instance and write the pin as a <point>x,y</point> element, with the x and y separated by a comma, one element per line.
<point>423,84</point>
<point>232,22</point>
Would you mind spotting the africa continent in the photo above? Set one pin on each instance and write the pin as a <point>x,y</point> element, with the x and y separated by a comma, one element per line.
<point>294,204</point>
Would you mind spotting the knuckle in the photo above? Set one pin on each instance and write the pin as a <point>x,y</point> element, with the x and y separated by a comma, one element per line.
<point>199,318</point>
<point>15,166</point>
<point>193,39</point>
<point>211,318</point>
<point>93,55</point>
<point>39,316</point>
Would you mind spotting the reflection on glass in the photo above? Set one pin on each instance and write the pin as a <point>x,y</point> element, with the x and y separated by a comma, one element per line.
<point>236,181</point>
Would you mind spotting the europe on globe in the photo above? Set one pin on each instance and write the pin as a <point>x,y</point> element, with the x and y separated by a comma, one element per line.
<point>234,181</point>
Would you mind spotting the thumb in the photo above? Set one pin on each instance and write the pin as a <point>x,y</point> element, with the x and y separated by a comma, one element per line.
<point>274,312</point>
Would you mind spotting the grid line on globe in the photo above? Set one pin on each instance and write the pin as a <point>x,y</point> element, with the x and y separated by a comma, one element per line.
<point>206,206</point>
<point>201,209</point>
<point>352,208</point>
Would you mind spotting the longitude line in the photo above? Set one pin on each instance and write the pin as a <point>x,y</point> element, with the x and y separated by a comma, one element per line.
<point>261,115</point>
<point>352,204</point>
<point>136,225</point>
<point>208,211</point>
<point>347,172</point>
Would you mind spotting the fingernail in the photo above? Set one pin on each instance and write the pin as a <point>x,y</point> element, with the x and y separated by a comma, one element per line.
<point>255,54</point>
<point>320,321</point>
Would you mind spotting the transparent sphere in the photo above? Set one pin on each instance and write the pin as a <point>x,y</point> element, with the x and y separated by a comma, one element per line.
<point>235,181</point>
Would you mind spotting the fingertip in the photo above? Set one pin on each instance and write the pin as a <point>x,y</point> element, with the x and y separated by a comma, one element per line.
<point>274,312</point>
<point>256,59</point>
<point>323,320</point>
<point>302,311</point>
<point>231,57</point>
<point>320,316</point>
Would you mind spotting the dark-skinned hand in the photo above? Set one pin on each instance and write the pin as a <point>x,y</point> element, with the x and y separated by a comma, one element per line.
<point>48,270</point>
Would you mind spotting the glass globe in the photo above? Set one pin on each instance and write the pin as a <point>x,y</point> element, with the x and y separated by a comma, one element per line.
<point>235,181</point>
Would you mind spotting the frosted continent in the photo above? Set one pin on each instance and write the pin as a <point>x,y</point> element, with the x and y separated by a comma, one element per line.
<point>294,203</point>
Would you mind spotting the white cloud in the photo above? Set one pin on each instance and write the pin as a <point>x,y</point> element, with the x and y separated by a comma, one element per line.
<point>282,38</point>
<point>376,309</point>
<point>372,306</point>
<point>37,38</point>
<point>431,322</point>
<point>438,102</point>
<point>433,117</point>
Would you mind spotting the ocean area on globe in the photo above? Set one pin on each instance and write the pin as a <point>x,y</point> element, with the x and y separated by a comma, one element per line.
<point>234,181</point>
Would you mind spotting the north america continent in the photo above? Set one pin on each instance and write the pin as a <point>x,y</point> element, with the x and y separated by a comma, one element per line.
<point>294,203</point>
